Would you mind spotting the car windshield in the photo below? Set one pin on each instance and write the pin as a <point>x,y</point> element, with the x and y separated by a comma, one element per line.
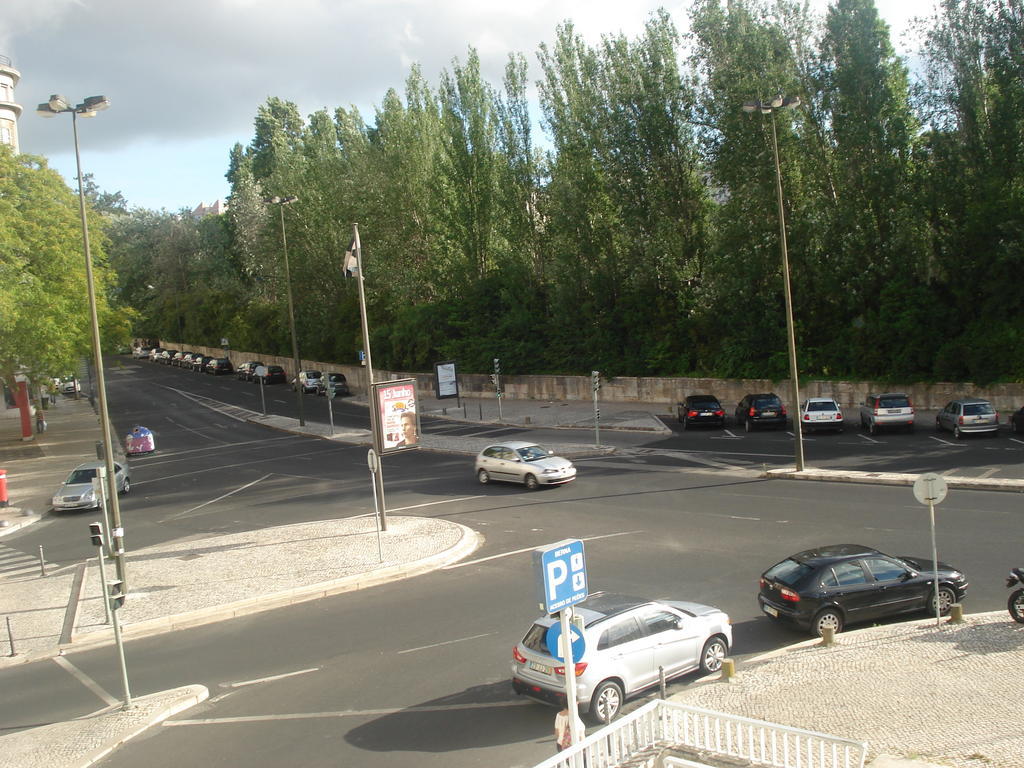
<point>337,377</point>
<point>312,374</point>
<point>978,409</point>
<point>789,572</point>
<point>704,402</point>
<point>766,402</point>
<point>894,402</point>
<point>532,453</point>
<point>821,406</point>
<point>275,368</point>
<point>80,476</point>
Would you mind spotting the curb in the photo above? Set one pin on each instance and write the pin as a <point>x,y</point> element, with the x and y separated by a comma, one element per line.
<point>468,544</point>
<point>892,478</point>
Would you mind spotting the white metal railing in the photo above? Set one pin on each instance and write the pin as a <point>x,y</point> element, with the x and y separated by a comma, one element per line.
<point>665,724</point>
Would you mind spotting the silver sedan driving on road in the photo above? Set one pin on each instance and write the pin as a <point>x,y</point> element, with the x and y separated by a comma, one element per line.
<point>516,461</point>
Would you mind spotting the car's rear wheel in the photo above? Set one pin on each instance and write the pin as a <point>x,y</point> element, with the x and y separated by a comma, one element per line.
<point>483,477</point>
<point>746,425</point>
<point>715,651</point>
<point>683,420</point>
<point>946,598</point>
<point>530,482</point>
<point>829,618</point>
<point>872,428</point>
<point>957,433</point>
<point>127,486</point>
<point>606,703</point>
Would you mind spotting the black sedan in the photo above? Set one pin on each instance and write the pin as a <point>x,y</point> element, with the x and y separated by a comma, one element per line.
<point>270,374</point>
<point>698,410</point>
<point>840,584</point>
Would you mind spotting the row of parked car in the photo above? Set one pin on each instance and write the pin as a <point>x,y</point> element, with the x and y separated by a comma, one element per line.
<point>891,410</point>
<point>310,381</point>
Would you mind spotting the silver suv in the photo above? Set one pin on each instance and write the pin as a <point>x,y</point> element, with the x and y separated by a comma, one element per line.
<point>626,640</point>
<point>892,409</point>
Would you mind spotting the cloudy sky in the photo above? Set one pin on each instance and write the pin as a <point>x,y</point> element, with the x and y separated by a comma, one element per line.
<point>185,77</point>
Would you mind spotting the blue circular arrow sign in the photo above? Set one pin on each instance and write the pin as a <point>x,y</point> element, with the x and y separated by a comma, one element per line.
<point>553,638</point>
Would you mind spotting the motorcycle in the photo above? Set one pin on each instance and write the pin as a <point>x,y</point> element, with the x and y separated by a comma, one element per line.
<point>1015,605</point>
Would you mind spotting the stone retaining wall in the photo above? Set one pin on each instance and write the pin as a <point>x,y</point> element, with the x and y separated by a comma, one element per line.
<point>1005,397</point>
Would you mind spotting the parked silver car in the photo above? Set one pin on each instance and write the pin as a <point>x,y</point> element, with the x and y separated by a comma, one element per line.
<point>516,461</point>
<point>626,640</point>
<point>309,381</point>
<point>969,415</point>
<point>77,493</point>
<point>891,409</point>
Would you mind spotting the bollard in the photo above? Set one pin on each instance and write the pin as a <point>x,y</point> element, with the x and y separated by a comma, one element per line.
<point>99,450</point>
<point>728,670</point>
<point>828,636</point>
<point>10,636</point>
<point>956,614</point>
<point>3,488</point>
<point>481,411</point>
<point>661,681</point>
<point>42,562</point>
<point>444,411</point>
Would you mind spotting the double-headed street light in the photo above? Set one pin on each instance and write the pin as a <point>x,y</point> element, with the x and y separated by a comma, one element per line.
<point>769,108</point>
<point>55,106</point>
<point>281,202</point>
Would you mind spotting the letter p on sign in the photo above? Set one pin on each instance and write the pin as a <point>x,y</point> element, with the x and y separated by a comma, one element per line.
<point>561,575</point>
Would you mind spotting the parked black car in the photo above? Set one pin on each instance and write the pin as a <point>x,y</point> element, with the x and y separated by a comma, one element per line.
<point>761,410</point>
<point>842,584</point>
<point>270,374</point>
<point>700,410</point>
<point>219,365</point>
<point>1017,421</point>
<point>247,370</point>
<point>334,384</point>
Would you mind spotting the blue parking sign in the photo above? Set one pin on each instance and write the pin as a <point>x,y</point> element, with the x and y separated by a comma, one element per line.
<point>561,574</point>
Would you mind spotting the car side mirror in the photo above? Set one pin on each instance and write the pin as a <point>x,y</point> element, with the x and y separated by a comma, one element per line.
<point>908,575</point>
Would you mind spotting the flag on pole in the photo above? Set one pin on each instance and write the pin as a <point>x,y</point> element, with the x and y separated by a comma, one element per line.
<point>350,265</point>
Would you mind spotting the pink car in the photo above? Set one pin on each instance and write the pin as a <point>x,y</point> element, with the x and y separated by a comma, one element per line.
<point>139,440</point>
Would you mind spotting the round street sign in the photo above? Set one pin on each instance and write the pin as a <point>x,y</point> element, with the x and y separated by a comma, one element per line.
<point>930,488</point>
<point>554,642</point>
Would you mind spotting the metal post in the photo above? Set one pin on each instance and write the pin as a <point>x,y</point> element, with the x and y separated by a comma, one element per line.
<point>595,379</point>
<point>330,409</point>
<point>120,654</point>
<point>263,398</point>
<point>575,724</point>
<point>10,636</point>
<point>42,563</point>
<point>790,333</point>
<point>101,386</point>
<point>374,462</point>
<point>935,562</point>
<point>291,311</point>
<point>105,547</point>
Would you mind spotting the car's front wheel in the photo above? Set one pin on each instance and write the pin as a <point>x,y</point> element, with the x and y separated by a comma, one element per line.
<point>530,481</point>
<point>946,598</point>
<point>607,701</point>
<point>829,618</point>
<point>715,651</point>
<point>483,477</point>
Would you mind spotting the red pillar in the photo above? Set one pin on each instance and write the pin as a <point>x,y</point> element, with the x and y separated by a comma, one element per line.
<point>21,398</point>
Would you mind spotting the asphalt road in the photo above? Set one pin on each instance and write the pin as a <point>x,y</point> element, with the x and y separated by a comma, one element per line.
<point>417,671</point>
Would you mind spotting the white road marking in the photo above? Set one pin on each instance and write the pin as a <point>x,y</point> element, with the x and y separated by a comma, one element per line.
<point>446,642</point>
<point>282,402</point>
<point>258,680</point>
<point>194,431</point>
<point>741,517</point>
<point>432,503</point>
<point>1014,439</point>
<point>211,501</point>
<point>346,713</point>
<point>168,456</point>
<point>869,439</point>
<point>945,442</point>
<point>530,549</point>
<point>136,483</point>
<point>85,680</point>
<point>989,472</point>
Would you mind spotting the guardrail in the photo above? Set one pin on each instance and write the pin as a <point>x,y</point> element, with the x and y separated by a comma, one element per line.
<point>638,739</point>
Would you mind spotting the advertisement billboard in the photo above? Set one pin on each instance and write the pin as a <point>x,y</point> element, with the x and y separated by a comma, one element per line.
<point>399,423</point>
<point>446,383</point>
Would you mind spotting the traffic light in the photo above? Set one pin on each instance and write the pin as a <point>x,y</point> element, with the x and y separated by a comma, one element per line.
<point>595,379</point>
<point>494,380</point>
<point>115,593</point>
<point>96,534</point>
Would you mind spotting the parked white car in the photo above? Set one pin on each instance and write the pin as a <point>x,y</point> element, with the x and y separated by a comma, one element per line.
<point>821,413</point>
<point>890,409</point>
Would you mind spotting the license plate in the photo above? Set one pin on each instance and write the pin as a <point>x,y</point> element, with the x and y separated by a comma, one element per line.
<point>893,410</point>
<point>706,413</point>
<point>770,611</point>
<point>767,413</point>
<point>540,668</point>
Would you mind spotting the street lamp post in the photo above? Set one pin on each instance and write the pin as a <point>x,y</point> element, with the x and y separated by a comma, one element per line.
<point>55,106</point>
<point>281,202</point>
<point>769,108</point>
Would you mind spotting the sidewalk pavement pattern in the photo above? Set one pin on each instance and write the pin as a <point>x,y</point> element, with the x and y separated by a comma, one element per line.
<point>903,689</point>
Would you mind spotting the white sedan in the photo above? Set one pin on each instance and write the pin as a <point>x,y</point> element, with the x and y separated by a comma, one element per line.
<point>516,461</point>
<point>821,413</point>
